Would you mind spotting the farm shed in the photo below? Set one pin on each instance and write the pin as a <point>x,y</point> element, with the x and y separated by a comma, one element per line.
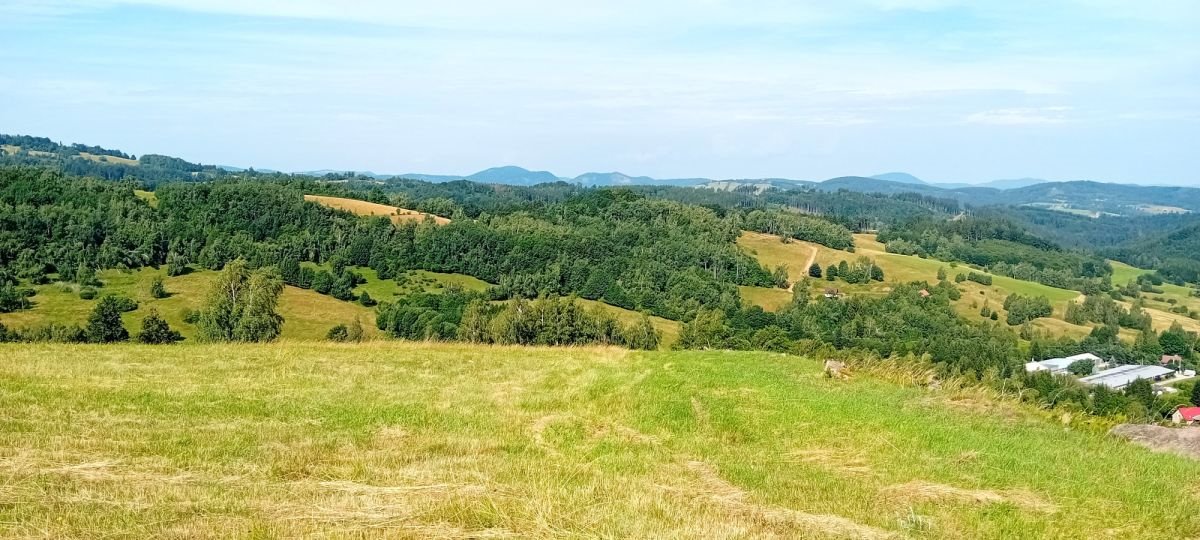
<point>1120,376</point>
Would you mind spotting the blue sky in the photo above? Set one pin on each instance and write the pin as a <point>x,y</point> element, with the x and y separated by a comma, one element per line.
<point>947,90</point>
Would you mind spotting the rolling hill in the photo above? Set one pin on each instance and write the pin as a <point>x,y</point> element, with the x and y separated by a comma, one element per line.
<point>905,268</point>
<point>512,175</point>
<point>1086,197</point>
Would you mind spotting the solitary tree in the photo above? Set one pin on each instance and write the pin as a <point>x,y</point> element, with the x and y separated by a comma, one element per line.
<point>354,332</point>
<point>104,324</point>
<point>157,289</point>
<point>814,270</point>
<point>241,305</point>
<point>941,275</point>
<point>156,331</point>
<point>338,333</point>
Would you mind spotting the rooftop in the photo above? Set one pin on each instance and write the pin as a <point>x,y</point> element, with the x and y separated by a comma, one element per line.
<point>1120,376</point>
<point>1061,364</point>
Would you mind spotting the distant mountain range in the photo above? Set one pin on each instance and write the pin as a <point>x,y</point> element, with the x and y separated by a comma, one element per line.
<point>1083,198</point>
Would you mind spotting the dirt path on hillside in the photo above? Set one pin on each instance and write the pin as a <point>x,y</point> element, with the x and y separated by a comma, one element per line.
<point>812,257</point>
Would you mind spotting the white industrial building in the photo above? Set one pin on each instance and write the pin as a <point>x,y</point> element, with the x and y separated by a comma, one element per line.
<point>1060,365</point>
<point>1120,376</point>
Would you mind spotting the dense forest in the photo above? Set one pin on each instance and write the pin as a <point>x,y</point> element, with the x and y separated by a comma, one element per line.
<point>1003,248</point>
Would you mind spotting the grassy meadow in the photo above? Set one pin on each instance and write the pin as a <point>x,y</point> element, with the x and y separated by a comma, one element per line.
<point>306,314</point>
<point>905,268</point>
<point>399,440</point>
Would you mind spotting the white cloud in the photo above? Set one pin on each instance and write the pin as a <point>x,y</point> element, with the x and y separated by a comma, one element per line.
<point>1020,116</point>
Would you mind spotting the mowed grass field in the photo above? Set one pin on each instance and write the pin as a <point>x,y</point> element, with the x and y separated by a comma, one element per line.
<point>391,440</point>
<point>307,314</point>
<point>364,208</point>
<point>905,268</point>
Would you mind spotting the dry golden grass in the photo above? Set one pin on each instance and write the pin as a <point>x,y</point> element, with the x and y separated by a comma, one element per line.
<point>107,159</point>
<point>364,208</point>
<point>414,440</point>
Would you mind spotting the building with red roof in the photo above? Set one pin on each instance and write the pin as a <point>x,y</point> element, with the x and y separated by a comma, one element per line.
<point>1186,415</point>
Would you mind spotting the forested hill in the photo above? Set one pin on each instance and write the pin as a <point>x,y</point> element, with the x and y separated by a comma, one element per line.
<point>1140,225</point>
<point>95,161</point>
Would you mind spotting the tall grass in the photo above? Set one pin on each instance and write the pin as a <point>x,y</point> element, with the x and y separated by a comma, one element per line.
<point>387,439</point>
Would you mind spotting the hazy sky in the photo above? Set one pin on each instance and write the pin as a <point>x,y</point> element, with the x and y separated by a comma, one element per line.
<point>947,90</point>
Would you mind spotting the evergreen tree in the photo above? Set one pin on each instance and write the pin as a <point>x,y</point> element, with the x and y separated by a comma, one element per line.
<point>156,331</point>
<point>1196,394</point>
<point>1141,391</point>
<point>814,270</point>
<point>104,324</point>
<point>157,289</point>
<point>1175,341</point>
<point>338,334</point>
<point>176,264</point>
<point>289,270</point>
<point>366,300</point>
<point>86,276</point>
<point>354,332</point>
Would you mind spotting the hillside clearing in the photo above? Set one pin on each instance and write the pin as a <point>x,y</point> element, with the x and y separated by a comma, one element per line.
<point>148,196</point>
<point>452,441</point>
<point>364,208</point>
<point>905,268</point>
<point>768,298</point>
<point>408,282</point>
<point>108,159</point>
<point>307,315</point>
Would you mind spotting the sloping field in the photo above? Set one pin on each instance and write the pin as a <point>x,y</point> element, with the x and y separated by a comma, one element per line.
<point>453,441</point>
<point>668,328</point>
<point>904,268</point>
<point>768,298</point>
<point>307,315</point>
<point>364,208</point>
<point>1124,273</point>
<point>108,159</point>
